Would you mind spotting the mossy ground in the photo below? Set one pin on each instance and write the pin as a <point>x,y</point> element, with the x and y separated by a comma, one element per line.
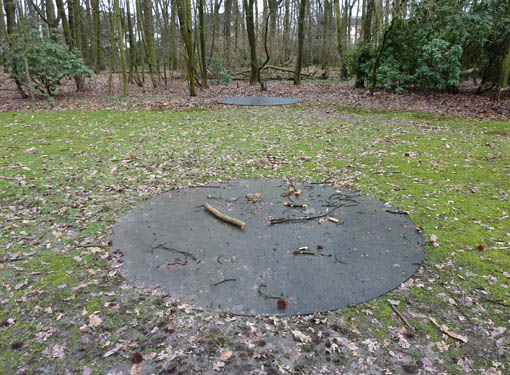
<point>66,175</point>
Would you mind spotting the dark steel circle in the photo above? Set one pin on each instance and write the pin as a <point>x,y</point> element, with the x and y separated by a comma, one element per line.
<point>258,100</point>
<point>300,266</point>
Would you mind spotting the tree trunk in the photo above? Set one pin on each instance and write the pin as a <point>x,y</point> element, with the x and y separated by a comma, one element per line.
<point>5,31</point>
<point>118,16</point>
<point>250,28</point>
<point>504,73</point>
<point>65,24</point>
<point>133,70</point>
<point>10,14</point>
<point>98,39</point>
<point>184,12</point>
<point>201,31</point>
<point>272,24</point>
<point>112,47</point>
<point>339,37</point>
<point>309,50</point>
<point>173,41</point>
<point>236,23</point>
<point>25,52</point>
<point>326,37</point>
<point>217,5</point>
<point>357,33</point>
<point>228,33</point>
<point>88,51</point>
<point>367,39</point>
<point>300,41</point>
<point>386,12</point>
<point>286,32</point>
<point>148,35</point>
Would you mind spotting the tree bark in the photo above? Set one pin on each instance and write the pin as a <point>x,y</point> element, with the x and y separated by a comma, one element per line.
<point>148,36</point>
<point>339,37</point>
<point>326,38</point>
<point>25,52</point>
<point>112,44</point>
<point>10,14</point>
<point>65,24</point>
<point>272,24</point>
<point>217,4</point>
<point>228,33</point>
<point>367,39</point>
<point>300,41</point>
<point>201,30</point>
<point>504,73</point>
<point>98,39</point>
<point>133,70</point>
<point>250,28</point>
<point>286,32</point>
<point>5,31</point>
<point>118,16</point>
<point>184,13</point>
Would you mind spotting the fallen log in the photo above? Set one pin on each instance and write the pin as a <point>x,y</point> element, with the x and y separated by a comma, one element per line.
<point>277,68</point>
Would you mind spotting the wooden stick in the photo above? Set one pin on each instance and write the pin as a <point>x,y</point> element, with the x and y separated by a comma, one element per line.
<point>224,217</point>
<point>401,316</point>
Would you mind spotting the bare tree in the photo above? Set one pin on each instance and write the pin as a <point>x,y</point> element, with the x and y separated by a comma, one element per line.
<point>300,41</point>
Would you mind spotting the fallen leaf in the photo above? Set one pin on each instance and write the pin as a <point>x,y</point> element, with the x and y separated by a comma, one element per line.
<point>301,336</point>
<point>447,331</point>
<point>84,328</point>
<point>218,366</point>
<point>55,351</point>
<point>433,239</point>
<point>225,356</point>
<point>111,352</point>
<point>137,369</point>
<point>95,321</point>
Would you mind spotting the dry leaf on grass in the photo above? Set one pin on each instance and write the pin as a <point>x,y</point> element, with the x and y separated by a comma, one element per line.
<point>301,336</point>
<point>95,321</point>
<point>447,331</point>
<point>225,356</point>
<point>218,366</point>
<point>136,369</point>
<point>433,239</point>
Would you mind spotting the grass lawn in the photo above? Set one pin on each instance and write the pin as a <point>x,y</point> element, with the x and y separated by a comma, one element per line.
<point>66,175</point>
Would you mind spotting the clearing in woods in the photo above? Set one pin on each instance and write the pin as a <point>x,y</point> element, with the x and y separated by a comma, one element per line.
<point>66,176</point>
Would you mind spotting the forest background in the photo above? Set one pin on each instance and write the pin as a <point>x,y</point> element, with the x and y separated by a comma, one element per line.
<point>394,45</point>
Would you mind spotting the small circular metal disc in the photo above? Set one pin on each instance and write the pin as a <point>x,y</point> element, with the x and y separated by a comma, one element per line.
<point>305,248</point>
<point>258,100</point>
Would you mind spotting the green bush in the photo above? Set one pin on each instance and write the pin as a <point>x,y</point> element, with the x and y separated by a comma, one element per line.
<point>219,71</point>
<point>439,66</point>
<point>436,42</point>
<point>49,63</point>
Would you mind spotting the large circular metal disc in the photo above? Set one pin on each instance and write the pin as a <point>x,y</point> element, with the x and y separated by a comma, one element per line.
<point>258,100</point>
<point>287,260</point>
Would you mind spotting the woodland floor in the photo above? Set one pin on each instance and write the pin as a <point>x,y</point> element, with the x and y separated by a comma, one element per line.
<point>174,96</point>
<point>66,175</point>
